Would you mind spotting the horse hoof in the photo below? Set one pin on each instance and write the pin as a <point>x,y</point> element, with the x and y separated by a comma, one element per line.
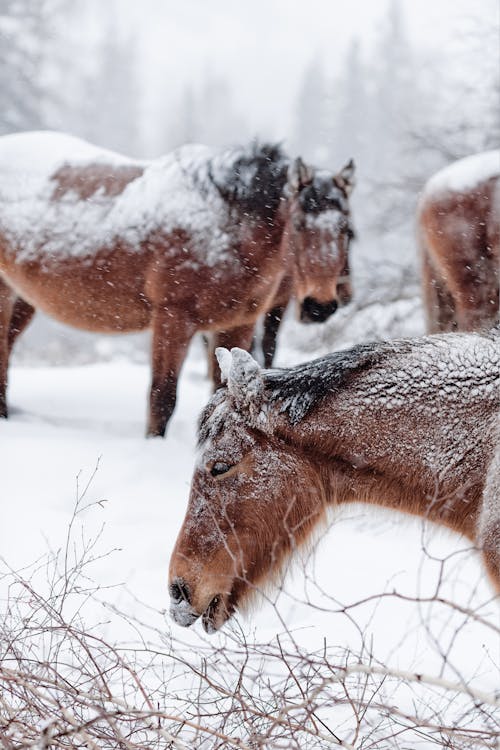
<point>154,433</point>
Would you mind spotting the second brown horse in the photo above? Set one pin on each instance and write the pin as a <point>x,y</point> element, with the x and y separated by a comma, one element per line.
<point>459,233</point>
<point>197,240</point>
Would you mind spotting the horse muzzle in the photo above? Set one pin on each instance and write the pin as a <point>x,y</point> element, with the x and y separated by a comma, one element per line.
<point>312,311</point>
<point>184,614</point>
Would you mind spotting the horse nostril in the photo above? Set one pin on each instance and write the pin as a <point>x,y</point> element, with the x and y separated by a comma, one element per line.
<point>179,591</point>
<point>318,312</point>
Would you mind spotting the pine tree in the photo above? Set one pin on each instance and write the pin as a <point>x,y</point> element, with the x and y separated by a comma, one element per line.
<point>313,130</point>
<point>24,35</point>
<point>111,100</point>
<point>349,105</point>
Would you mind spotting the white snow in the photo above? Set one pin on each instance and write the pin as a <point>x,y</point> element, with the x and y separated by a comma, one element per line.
<point>65,420</point>
<point>325,220</point>
<point>465,173</point>
<point>164,196</point>
<point>42,152</point>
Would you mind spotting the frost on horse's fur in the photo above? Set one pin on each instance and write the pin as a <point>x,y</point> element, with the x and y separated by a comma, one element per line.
<point>465,173</point>
<point>411,425</point>
<point>178,191</point>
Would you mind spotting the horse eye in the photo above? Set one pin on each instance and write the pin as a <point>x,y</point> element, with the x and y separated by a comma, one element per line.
<point>220,468</point>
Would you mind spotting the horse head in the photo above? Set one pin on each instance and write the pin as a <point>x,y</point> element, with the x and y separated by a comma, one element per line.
<point>250,501</point>
<point>319,231</point>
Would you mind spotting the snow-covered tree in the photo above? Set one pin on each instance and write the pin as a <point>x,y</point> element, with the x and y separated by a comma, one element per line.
<point>206,114</point>
<point>351,137</point>
<point>25,29</point>
<point>110,112</point>
<point>313,128</point>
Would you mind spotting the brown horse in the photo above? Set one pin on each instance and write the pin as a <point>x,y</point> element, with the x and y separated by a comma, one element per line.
<point>459,234</point>
<point>412,425</point>
<point>310,201</point>
<point>196,240</point>
<point>274,317</point>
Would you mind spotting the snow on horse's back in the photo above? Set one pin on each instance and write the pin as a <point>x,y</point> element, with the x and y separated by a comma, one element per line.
<point>198,239</point>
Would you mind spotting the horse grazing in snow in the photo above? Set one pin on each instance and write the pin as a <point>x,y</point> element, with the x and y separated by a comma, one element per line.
<point>196,240</point>
<point>412,425</point>
<point>459,235</point>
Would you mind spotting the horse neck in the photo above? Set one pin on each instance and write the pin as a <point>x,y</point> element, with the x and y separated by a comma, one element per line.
<point>262,247</point>
<point>392,458</point>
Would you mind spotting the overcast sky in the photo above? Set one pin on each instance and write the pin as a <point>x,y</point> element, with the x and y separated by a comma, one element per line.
<point>262,46</point>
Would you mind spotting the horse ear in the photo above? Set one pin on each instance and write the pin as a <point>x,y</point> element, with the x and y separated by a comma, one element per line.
<point>243,377</point>
<point>345,178</point>
<point>300,174</point>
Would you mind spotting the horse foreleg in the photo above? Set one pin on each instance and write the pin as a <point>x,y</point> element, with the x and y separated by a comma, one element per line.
<point>171,337</point>
<point>272,323</point>
<point>21,316</point>
<point>208,346</point>
<point>241,337</point>
<point>7,300</point>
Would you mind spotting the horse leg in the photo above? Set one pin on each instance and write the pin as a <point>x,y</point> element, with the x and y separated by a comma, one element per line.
<point>438,302</point>
<point>7,300</point>
<point>208,345</point>
<point>21,316</point>
<point>478,296</point>
<point>241,337</point>
<point>272,322</point>
<point>171,337</point>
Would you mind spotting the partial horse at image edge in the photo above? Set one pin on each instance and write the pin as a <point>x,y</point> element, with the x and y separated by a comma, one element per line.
<point>412,425</point>
<point>458,227</point>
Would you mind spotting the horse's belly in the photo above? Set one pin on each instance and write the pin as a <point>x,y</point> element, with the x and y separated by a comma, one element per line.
<point>97,317</point>
<point>111,301</point>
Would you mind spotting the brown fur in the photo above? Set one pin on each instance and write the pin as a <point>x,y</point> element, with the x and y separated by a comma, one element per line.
<point>86,181</point>
<point>119,289</point>
<point>409,425</point>
<point>459,235</point>
<point>274,316</point>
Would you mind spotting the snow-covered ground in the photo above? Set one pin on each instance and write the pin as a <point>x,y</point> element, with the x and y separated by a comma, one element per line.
<point>66,421</point>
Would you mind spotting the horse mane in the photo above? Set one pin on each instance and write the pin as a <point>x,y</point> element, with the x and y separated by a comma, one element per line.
<point>251,178</point>
<point>297,390</point>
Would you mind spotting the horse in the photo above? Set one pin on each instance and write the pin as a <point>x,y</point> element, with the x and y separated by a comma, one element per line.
<point>197,240</point>
<point>459,236</point>
<point>274,316</point>
<point>411,424</point>
<point>272,319</point>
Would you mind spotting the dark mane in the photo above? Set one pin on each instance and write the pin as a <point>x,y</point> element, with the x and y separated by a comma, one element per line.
<point>323,195</point>
<point>298,389</point>
<point>251,178</point>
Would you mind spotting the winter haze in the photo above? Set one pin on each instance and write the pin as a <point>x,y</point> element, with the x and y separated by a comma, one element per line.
<point>91,510</point>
